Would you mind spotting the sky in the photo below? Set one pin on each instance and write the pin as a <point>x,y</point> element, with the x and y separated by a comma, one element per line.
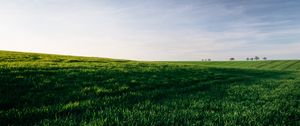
<point>153,29</point>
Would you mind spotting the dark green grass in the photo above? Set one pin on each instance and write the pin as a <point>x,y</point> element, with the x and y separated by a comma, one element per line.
<point>39,89</point>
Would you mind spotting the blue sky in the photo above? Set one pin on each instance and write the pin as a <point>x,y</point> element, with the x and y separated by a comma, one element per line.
<point>153,29</point>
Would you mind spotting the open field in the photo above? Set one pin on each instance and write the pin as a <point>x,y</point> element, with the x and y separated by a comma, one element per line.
<point>291,65</point>
<point>40,89</point>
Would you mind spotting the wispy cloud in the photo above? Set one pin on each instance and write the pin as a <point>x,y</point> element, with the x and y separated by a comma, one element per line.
<point>153,30</point>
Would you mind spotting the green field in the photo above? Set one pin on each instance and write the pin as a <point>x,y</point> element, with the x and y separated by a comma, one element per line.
<point>41,89</point>
<point>287,65</point>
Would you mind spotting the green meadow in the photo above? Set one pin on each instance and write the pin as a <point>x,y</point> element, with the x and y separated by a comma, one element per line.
<point>42,89</point>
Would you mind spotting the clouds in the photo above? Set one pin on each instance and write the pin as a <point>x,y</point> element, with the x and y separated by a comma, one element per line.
<point>152,30</point>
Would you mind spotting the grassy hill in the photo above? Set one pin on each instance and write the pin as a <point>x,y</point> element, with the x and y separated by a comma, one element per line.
<point>41,89</point>
<point>291,65</point>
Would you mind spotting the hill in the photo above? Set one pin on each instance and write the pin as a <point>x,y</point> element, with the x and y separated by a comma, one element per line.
<point>267,65</point>
<point>42,89</point>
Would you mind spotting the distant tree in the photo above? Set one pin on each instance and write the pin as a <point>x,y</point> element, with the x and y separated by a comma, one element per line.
<point>256,58</point>
<point>265,58</point>
<point>202,59</point>
<point>251,59</point>
<point>208,59</point>
<point>247,58</point>
<point>231,59</point>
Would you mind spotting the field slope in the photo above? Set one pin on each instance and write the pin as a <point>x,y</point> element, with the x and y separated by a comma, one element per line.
<point>290,65</point>
<point>41,89</point>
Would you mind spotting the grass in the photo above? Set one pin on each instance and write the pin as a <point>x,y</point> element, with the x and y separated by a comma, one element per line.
<point>41,89</point>
<point>290,65</point>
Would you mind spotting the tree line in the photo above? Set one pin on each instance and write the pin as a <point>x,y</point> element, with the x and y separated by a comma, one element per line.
<point>256,58</point>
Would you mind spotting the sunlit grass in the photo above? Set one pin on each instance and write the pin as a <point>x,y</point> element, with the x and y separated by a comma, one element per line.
<point>38,89</point>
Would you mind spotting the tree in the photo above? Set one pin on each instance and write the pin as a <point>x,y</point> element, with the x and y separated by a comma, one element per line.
<point>251,59</point>
<point>256,58</point>
<point>265,58</point>
<point>231,59</point>
<point>208,59</point>
<point>247,58</point>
